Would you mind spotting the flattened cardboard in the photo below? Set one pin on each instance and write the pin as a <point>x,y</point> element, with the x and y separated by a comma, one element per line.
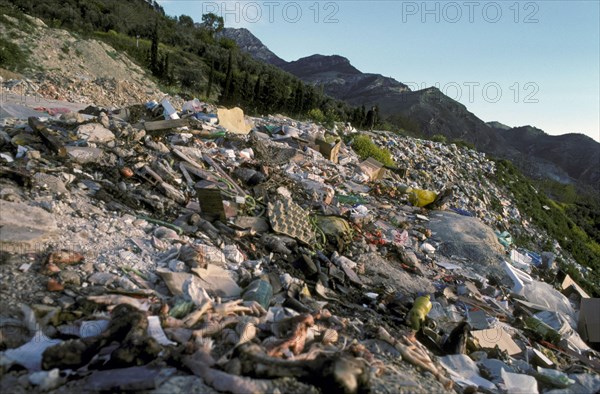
<point>589,320</point>
<point>488,339</point>
<point>217,280</point>
<point>233,120</point>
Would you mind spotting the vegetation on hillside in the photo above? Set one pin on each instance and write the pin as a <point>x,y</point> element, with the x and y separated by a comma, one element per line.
<point>187,57</point>
<point>364,147</point>
<point>11,56</point>
<point>560,224</point>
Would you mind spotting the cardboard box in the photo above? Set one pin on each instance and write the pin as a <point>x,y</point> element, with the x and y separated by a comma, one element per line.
<point>570,288</point>
<point>329,149</point>
<point>372,168</point>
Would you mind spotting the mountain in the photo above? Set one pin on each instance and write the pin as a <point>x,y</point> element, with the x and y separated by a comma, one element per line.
<point>576,154</point>
<point>249,43</point>
<point>498,125</point>
<point>437,113</point>
<point>569,158</point>
<point>342,80</point>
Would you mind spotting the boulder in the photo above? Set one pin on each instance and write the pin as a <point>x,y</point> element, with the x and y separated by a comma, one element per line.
<point>471,239</point>
<point>23,228</point>
<point>95,132</point>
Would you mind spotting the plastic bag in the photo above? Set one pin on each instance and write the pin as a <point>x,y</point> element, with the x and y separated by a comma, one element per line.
<point>192,106</point>
<point>420,198</point>
<point>419,311</point>
<point>554,377</point>
<point>504,238</point>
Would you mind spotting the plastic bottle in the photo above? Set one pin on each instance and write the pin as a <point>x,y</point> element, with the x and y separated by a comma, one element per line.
<point>260,291</point>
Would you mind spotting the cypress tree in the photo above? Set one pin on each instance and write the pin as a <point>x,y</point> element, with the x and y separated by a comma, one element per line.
<point>154,66</point>
<point>256,100</point>
<point>227,90</point>
<point>211,77</point>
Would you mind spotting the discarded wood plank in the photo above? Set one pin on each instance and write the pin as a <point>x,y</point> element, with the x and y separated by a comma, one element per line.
<point>201,173</point>
<point>49,140</point>
<point>224,175</point>
<point>166,124</point>
<point>21,177</point>
<point>185,157</point>
<point>168,190</point>
<point>186,174</point>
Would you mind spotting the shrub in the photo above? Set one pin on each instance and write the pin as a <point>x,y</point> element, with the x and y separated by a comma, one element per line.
<point>316,115</point>
<point>11,56</point>
<point>439,138</point>
<point>364,147</point>
<point>464,144</point>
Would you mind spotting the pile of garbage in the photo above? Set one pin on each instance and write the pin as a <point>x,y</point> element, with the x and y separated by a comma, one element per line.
<point>174,246</point>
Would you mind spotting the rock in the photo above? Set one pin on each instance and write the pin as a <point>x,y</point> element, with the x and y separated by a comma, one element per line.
<point>103,118</point>
<point>409,257</point>
<point>470,238</point>
<point>85,155</point>
<point>70,277</point>
<point>46,380</point>
<point>194,255</point>
<point>427,248</point>
<point>24,228</point>
<point>177,266</point>
<point>72,117</point>
<point>95,132</point>
<point>166,233</point>
<point>65,302</point>
<point>128,379</point>
<point>184,385</point>
<point>390,276</point>
<point>232,254</point>
<point>492,369</point>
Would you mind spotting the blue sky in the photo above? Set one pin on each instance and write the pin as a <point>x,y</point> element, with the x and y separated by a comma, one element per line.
<point>518,62</point>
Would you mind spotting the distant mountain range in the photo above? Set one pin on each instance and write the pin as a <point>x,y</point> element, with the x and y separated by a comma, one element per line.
<point>568,158</point>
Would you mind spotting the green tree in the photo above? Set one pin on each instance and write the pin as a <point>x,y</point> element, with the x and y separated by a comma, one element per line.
<point>212,22</point>
<point>227,93</point>
<point>186,21</point>
<point>256,99</point>
<point>211,77</point>
<point>154,66</point>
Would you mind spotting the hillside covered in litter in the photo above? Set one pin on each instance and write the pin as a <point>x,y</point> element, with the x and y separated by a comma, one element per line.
<point>158,248</point>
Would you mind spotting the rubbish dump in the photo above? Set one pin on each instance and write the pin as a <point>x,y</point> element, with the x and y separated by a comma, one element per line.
<point>198,247</point>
